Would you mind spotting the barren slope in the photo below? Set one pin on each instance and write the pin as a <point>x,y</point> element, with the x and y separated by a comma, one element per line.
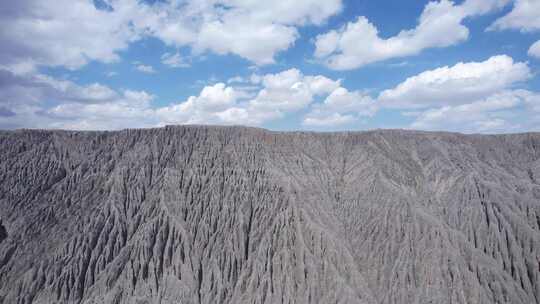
<point>241,215</point>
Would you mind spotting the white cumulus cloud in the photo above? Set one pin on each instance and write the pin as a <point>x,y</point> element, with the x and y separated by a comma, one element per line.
<point>322,119</point>
<point>71,33</point>
<point>31,99</point>
<point>290,90</point>
<point>148,69</point>
<point>341,107</point>
<point>174,60</point>
<point>492,114</point>
<point>461,83</point>
<point>212,105</point>
<point>472,97</point>
<point>358,43</point>
<point>534,50</point>
<point>525,16</point>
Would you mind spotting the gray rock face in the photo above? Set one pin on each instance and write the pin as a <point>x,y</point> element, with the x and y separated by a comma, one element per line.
<point>240,215</point>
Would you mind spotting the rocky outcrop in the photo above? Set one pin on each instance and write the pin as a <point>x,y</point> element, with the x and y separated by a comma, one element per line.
<point>194,214</point>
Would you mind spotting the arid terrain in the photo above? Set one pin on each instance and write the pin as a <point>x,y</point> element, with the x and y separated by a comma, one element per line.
<point>193,214</point>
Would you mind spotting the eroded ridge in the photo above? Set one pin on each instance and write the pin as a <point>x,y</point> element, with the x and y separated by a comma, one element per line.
<point>194,214</point>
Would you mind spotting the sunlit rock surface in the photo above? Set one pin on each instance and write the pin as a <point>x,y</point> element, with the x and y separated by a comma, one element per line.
<point>241,215</point>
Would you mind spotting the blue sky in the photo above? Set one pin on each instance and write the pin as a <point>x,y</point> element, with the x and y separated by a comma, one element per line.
<point>468,66</point>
